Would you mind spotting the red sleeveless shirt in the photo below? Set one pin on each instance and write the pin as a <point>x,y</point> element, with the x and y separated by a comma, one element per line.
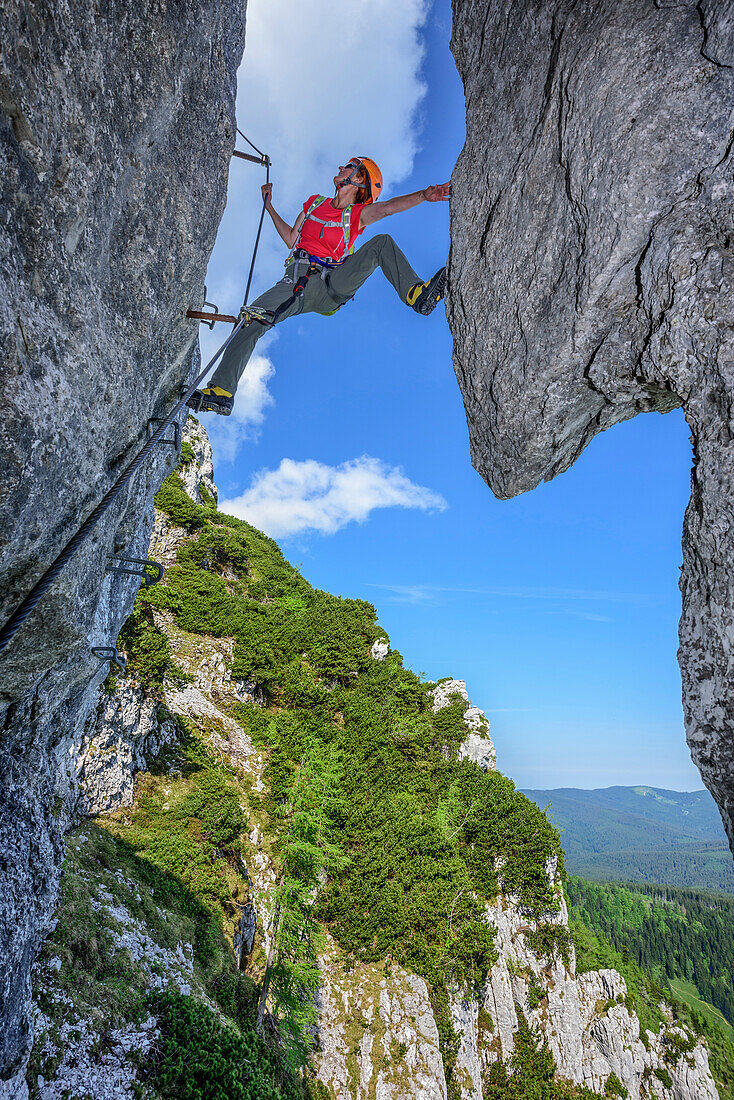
<point>328,243</point>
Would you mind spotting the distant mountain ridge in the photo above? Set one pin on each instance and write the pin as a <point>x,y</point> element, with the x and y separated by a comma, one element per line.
<point>641,834</point>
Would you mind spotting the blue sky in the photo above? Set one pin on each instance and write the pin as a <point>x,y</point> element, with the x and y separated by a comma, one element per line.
<point>349,442</point>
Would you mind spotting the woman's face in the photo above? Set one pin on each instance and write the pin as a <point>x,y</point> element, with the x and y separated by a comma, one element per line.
<point>345,171</point>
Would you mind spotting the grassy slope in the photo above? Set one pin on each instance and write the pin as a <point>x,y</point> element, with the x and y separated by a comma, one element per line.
<point>687,992</point>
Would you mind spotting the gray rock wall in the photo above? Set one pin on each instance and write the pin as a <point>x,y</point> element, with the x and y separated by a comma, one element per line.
<point>116,128</point>
<point>591,273</point>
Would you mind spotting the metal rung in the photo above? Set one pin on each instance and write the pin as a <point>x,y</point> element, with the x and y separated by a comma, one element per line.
<point>171,442</point>
<point>109,655</point>
<point>118,564</point>
<point>210,318</point>
<point>263,160</point>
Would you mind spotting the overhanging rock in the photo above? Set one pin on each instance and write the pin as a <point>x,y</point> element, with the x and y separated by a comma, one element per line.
<point>591,273</point>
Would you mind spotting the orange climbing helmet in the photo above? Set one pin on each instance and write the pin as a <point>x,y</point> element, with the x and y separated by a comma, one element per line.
<point>374,175</point>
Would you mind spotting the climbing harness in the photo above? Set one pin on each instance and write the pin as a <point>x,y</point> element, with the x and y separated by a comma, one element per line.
<point>300,264</point>
<point>42,585</point>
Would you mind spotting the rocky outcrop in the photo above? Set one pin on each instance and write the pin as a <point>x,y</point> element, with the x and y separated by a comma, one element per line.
<point>583,1018</point>
<point>377,1034</point>
<point>117,127</point>
<point>197,464</point>
<point>125,730</point>
<point>478,745</point>
<point>591,273</point>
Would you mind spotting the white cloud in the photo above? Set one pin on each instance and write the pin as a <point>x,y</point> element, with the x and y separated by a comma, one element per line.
<point>316,85</point>
<point>252,399</point>
<point>418,593</point>
<point>310,496</point>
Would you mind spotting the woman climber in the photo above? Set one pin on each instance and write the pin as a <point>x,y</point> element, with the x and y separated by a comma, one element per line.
<point>322,271</point>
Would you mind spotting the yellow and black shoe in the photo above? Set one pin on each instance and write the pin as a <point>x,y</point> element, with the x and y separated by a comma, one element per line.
<point>424,297</point>
<point>212,399</point>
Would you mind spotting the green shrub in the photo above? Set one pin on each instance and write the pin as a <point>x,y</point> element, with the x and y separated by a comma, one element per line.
<point>720,1046</point>
<point>200,1057</point>
<point>663,1076</point>
<point>173,499</point>
<point>536,993</point>
<point>187,454</point>
<point>550,941</point>
<point>614,1087</point>
<point>148,651</point>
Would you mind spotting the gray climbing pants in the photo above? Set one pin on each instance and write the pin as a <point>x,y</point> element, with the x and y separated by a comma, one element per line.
<point>320,296</point>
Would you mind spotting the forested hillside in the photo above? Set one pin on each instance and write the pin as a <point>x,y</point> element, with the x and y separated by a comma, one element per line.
<point>682,939</point>
<point>641,834</point>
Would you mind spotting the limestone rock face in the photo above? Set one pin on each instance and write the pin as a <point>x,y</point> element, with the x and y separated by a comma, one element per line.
<point>377,1034</point>
<point>198,473</point>
<point>478,745</point>
<point>591,273</point>
<point>126,729</point>
<point>582,1017</point>
<point>116,128</point>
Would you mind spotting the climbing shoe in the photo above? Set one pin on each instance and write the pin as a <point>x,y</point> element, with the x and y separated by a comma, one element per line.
<point>424,297</point>
<point>212,399</point>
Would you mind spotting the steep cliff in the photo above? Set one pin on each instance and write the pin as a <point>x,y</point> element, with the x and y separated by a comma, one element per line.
<point>289,755</point>
<point>117,127</point>
<point>591,273</point>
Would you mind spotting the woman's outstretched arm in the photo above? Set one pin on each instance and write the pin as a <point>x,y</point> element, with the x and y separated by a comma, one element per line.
<point>437,192</point>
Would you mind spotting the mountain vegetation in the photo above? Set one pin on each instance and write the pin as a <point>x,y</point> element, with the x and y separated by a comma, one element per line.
<point>381,841</point>
<point>667,942</point>
<point>641,834</point>
<point>381,833</point>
